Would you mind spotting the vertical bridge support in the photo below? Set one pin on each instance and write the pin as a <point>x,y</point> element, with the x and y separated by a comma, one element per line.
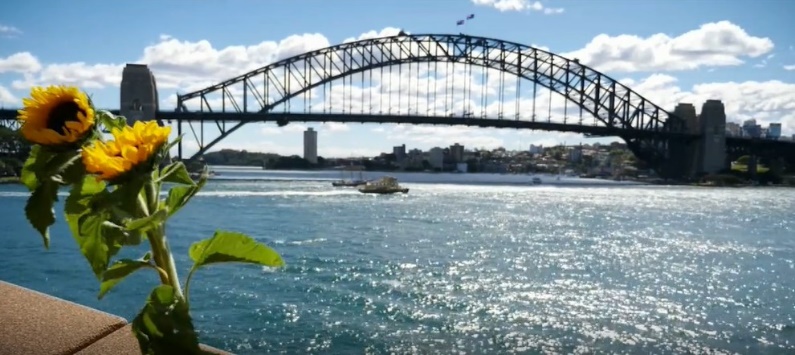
<point>707,155</point>
<point>684,154</point>
<point>138,99</point>
<point>712,157</point>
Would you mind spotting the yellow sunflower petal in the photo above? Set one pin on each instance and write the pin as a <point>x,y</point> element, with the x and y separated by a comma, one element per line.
<point>55,110</point>
<point>132,146</point>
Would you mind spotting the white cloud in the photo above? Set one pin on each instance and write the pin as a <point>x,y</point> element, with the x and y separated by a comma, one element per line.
<point>713,44</point>
<point>187,66</point>
<point>789,67</point>
<point>86,76</point>
<point>767,101</point>
<point>177,64</point>
<point>430,136</point>
<point>7,98</point>
<point>21,63</point>
<point>326,128</point>
<point>518,5</point>
<point>9,31</point>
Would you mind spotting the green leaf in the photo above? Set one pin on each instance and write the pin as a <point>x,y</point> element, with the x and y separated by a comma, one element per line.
<point>164,325</point>
<point>228,247</point>
<point>65,167</point>
<point>98,242</point>
<point>119,270</point>
<point>132,238</point>
<point>146,223</point>
<point>125,196</point>
<point>120,234</point>
<point>176,173</point>
<point>110,121</point>
<point>225,246</point>
<point>178,196</point>
<point>74,172</point>
<point>166,148</point>
<point>60,162</point>
<point>39,209</point>
<point>80,200</point>
<point>34,166</point>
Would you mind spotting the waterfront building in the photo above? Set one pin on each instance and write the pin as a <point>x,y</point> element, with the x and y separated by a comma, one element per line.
<point>310,145</point>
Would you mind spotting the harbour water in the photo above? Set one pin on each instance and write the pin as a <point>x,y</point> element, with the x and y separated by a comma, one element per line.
<point>463,263</point>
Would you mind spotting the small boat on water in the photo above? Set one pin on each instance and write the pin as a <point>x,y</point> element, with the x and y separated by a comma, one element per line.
<point>350,182</point>
<point>385,185</point>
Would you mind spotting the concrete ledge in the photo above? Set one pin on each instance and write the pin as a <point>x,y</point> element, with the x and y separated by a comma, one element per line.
<point>38,324</point>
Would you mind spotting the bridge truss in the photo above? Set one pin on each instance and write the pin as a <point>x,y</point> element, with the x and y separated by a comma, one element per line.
<point>9,120</point>
<point>455,77</point>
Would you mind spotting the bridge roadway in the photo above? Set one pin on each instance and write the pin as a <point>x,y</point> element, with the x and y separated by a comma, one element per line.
<point>7,115</point>
<point>213,117</point>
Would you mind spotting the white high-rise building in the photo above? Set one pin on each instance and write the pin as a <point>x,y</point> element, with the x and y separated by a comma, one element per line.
<point>310,145</point>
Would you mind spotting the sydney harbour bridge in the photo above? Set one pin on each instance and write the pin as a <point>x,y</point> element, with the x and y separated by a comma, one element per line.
<point>444,79</point>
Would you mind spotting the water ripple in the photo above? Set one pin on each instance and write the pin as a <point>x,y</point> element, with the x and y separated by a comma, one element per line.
<point>475,269</point>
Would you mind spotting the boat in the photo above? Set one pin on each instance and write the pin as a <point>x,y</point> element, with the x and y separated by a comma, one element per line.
<point>350,182</point>
<point>384,185</point>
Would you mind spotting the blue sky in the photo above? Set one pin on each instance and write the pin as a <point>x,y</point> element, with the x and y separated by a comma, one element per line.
<point>669,51</point>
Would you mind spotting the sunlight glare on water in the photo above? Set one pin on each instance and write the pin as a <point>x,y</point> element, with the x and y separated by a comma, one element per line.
<point>479,269</point>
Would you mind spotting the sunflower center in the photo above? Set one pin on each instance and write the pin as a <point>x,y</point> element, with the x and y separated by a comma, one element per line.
<point>60,114</point>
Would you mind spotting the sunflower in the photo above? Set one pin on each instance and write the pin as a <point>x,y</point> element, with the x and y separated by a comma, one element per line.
<point>132,147</point>
<point>56,115</point>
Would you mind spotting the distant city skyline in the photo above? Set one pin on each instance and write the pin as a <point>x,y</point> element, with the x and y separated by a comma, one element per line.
<point>752,69</point>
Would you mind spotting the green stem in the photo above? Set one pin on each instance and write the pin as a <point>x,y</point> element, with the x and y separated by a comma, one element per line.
<point>152,189</point>
<point>157,257</point>
<point>163,258</point>
<point>157,238</point>
<point>187,286</point>
<point>142,205</point>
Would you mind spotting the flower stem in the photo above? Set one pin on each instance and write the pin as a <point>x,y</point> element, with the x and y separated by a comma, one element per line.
<point>164,259</point>
<point>157,256</point>
<point>157,239</point>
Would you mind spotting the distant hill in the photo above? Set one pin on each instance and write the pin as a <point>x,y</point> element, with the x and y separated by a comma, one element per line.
<point>239,158</point>
<point>267,160</point>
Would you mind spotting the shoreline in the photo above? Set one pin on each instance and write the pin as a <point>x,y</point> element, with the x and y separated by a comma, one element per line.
<point>13,180</point>
<point>8,180</point>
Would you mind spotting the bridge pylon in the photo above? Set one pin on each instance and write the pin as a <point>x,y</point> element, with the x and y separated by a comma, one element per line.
<point>138,97</point>
<point>138,94</point>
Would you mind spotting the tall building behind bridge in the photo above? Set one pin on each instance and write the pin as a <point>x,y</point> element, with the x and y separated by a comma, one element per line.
<point>400,152</point>
<point>457,153</point>
<point>310,145</point>
<point>774,131</point>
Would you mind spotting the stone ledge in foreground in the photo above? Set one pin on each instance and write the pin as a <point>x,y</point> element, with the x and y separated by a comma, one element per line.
<point>36,324</point>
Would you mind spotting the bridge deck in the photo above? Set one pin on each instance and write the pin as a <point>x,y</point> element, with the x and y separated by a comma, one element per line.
<point>593,130</point>
<point>575,127</point>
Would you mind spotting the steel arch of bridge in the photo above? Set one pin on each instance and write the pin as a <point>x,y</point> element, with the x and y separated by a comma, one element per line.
<point>614,104</point>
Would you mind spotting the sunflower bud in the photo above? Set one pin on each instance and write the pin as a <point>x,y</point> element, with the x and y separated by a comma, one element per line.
<point>133,151</point>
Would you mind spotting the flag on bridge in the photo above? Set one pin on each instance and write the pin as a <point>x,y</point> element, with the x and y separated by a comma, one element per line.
<point>459,23</point>
<point>471,16</point>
